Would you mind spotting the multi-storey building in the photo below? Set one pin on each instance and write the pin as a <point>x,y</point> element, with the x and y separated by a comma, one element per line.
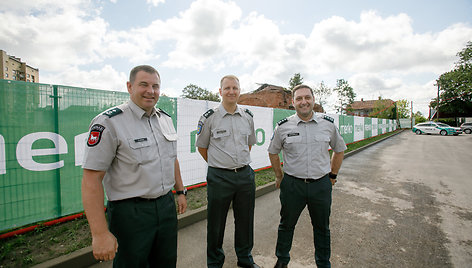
<point>11,68</point>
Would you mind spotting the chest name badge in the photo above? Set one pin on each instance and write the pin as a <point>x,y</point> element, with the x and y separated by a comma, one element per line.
<point>293,134</point>
<point>95,135</point>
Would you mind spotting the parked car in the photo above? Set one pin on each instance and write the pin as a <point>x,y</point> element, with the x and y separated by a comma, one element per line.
<point>436,128</point>
<point>467,128</point>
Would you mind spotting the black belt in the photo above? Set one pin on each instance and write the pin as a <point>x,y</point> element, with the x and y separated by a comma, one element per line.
<point>139,199</point>
<point>233,169</point>
<point>306,180</point>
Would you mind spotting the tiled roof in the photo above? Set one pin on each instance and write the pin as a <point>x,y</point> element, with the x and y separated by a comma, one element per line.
<point>368,104</point>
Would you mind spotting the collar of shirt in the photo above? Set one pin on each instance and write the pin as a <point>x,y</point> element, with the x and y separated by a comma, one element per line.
<point>138,111</point>
<point>223,112</point>
<point>298,119</point>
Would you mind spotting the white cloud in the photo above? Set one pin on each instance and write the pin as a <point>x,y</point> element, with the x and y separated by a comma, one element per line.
<point>375,53</point>
<point>55,37</point>
<point>199,33</point>
<point>106,78</point>
<point>366,83</point>
<point>155,3</point>
<point>384,44</point>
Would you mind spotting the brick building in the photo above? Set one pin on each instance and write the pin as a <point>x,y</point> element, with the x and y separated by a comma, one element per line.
<point>272,96</point>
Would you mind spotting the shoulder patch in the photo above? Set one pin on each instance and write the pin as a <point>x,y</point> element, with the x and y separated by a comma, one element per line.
<point>249,112</point>
<point>112,112</point>
<point>164,112</point>
<point>282,121</point>
<point>208,113</point>
<point>95,135</point>
<point>330,119</point>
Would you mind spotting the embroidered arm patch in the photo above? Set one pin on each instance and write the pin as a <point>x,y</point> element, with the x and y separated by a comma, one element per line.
<point>95,135</point>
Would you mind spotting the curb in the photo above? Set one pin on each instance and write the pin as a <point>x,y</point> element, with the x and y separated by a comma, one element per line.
<point>84,257</point>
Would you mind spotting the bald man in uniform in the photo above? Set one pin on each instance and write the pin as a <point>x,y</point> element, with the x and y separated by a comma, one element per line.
<point>225,137</point>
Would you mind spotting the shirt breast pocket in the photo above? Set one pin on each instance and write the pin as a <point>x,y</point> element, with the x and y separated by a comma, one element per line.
<point>141,149</point>
<point>220,136</point>
<point>321,142</point>
<point>293,144</point>
<point>245,136</point>
<point>172,144</point>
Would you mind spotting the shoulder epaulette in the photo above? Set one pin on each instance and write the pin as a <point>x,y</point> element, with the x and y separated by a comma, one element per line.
<point>282,121</point>
<point>249,112</point>
<point>164,112</point>
<point>208,113</point>
<point>112,112</point>
<point>330,119</point>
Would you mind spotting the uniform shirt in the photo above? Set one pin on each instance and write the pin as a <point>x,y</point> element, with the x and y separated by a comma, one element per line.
<point>305,145</point>
<point>227,137</point>
<point>137,152</point>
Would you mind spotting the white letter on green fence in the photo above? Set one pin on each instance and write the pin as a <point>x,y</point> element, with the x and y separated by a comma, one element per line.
<point>25,152</point>
<point>3,168</point>
<point>79,143</point>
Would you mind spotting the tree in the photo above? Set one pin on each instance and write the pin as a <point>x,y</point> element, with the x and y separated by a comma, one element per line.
<point>321,93</point>
<point>403,109</point>
<point>455,87</point>
<point>385,109</point>
<point>295,81</point>
<point>197,93</point>
<point>345,94</point>
<point>419,118</point>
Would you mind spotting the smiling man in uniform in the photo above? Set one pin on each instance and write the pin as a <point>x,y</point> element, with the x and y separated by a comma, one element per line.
<point>225,137</point>
<point>308,174</point>
<point>131,151</point>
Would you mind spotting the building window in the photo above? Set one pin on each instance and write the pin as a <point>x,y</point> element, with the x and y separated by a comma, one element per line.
<point>6,75</point>
<point>6,68</point>
<point>28,75</point>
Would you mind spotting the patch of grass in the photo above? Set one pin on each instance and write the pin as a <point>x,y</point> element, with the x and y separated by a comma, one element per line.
<point>44,243</point>
<point>48,242</point>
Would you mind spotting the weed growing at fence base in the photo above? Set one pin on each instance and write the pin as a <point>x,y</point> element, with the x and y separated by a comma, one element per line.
<point>46,243</point>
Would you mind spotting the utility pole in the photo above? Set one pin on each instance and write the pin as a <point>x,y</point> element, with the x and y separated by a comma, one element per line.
<point>437,108</point>
<point>411,114</point>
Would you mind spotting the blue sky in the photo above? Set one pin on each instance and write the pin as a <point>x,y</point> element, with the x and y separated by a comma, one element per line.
<point>393,49</point>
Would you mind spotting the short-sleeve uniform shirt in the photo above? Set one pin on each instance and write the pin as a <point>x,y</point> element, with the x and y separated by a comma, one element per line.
<point>227,137</point>
<point>137,151</point>
<point>305,145</point>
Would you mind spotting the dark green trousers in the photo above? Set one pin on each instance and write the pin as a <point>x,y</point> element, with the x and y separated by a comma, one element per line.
<point>146,231</point>
<point>224,187</point>
<point>295,194</point>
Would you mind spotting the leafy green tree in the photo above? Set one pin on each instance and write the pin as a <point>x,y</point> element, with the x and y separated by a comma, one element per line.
<point>419,118</point>
<point>455,87</point>
<point>403,109</point>
<point>321,93</point>
<point>345,94</point>
<point>295,81</point>
<point>383,109</point>
<point>197,93</point>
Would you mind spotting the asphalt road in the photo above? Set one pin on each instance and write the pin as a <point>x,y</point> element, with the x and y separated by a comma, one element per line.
<point>405,202</point>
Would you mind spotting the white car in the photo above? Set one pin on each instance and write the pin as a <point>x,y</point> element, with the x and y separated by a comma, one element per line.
<point>467,128</point>
<point>436,128</point>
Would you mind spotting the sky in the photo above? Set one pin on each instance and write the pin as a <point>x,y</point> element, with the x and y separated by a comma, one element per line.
<point>389,49</point>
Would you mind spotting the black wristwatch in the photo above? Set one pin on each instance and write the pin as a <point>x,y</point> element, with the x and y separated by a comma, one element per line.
<point>184,192</point>
<point>332,176</point>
